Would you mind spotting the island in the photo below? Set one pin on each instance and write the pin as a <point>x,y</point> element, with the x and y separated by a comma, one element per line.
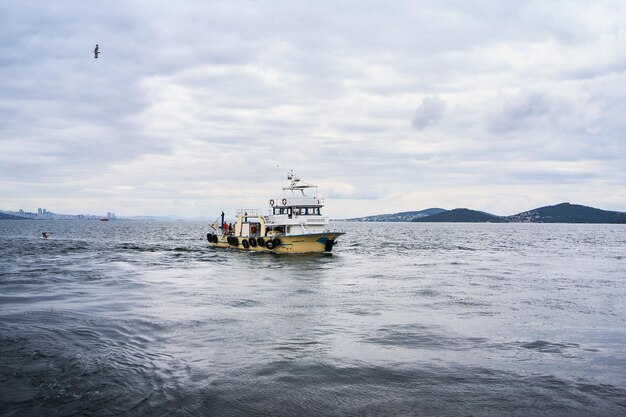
<point>558,213</point>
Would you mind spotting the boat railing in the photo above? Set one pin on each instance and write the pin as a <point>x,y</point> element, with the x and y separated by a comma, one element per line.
<point>249,212</point>
<point>306,201</point>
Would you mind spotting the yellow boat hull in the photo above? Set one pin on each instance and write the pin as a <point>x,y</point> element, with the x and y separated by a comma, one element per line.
<point>309,243</point>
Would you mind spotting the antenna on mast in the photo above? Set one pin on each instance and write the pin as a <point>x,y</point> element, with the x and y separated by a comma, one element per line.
<point>292,178</point>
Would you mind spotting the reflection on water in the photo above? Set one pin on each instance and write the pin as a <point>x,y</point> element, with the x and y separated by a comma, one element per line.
<point>402,319</point>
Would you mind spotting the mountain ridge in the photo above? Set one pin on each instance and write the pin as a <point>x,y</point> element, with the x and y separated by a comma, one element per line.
<point>568,213</point>
<point>463,215</point>
<point>558,213</point>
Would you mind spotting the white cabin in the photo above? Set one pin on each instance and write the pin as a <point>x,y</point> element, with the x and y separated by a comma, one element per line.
<point>296,213</point>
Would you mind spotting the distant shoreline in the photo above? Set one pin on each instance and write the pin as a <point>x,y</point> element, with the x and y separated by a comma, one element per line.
<point>559,213</point>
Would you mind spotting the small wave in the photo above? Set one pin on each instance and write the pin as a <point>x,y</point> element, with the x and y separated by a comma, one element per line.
<point>462,301</point>
<point>188,249</point>
<point>363,312</point>
<point>244,303</point>
<point>130,246</point>
<point>423,337</point>
<point>469,302</point>
<point>298,345</point>
<point>305,291</point>
<point>427,293</point>
<point>24,282</point>
<point>545,346</point>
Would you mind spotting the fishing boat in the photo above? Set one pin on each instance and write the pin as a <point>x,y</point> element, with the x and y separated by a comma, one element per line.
<point>295,224</point>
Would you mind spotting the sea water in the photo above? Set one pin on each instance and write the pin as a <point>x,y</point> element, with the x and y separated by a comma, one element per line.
<point>144,318</point>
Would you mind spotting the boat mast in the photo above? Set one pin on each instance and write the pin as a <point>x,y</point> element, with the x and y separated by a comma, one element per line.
<point>293,184</point>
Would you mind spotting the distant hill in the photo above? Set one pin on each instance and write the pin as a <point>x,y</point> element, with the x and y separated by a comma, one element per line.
<point>405,216</point>
<point>568,213</point>
<point>462,215</point>
<point>5,216</point>
<point>560,213</point>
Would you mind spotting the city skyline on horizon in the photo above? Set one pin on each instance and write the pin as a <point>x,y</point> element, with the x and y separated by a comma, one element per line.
<point>45,214</point>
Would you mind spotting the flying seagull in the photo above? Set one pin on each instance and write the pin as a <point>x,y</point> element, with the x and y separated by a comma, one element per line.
<point>96,51</point>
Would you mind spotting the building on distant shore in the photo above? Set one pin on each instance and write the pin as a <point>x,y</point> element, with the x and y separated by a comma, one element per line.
<point>44,214</point>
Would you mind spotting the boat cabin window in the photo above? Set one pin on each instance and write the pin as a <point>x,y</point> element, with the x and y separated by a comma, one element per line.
<point>279,229</point>
<point>307,211</point>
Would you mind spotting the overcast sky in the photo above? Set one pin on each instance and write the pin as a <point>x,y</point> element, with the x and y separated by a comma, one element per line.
<point>197,107</point>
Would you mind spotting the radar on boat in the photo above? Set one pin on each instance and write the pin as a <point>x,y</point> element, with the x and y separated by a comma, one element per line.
<point>292,177</point>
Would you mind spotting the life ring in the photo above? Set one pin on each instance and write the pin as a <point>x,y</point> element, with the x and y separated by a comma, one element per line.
<point>277,242</point>
<point>269,244</point>
<point>272,202</point>
<point>245,244</point>
<point>284,201</point>
<point>261,242</point>
<point>252,242</point>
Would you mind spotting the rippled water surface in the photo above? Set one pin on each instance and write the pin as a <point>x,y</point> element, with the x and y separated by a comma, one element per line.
<point>134,318</point>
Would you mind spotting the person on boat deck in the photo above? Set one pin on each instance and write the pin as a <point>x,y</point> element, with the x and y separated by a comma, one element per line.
<point>230,228</point>
<point>225,226</point>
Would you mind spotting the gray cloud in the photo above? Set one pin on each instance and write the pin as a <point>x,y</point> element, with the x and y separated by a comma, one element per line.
<point>520,111</point>
<point>429,112</point>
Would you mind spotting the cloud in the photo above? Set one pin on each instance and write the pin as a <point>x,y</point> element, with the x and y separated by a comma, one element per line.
<point>429,112</point>
<point>192,100</point>
<point>520,111</point>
